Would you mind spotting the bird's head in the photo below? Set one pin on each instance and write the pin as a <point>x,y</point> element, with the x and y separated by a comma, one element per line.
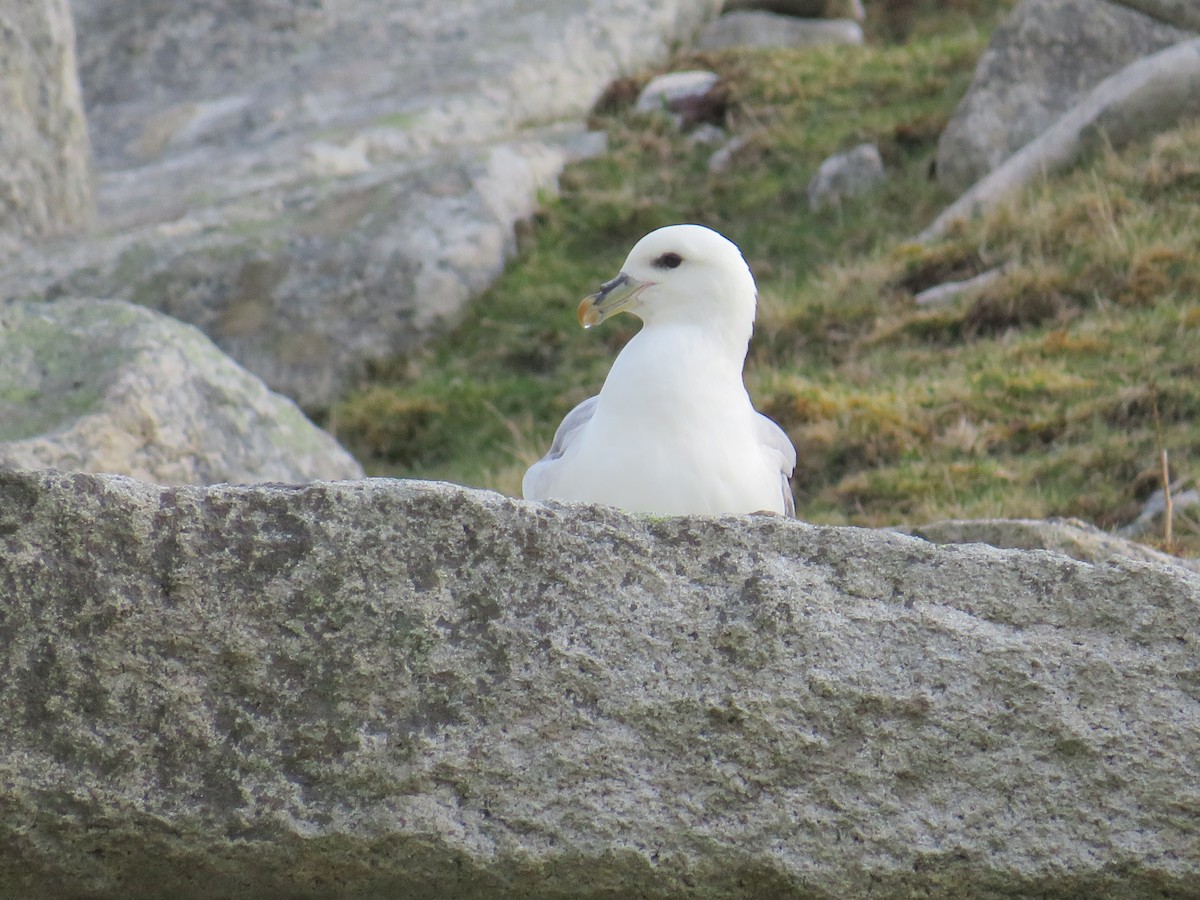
<point>679,273</point>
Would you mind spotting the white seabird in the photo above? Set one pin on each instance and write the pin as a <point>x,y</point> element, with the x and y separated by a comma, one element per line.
<point>673,431</point>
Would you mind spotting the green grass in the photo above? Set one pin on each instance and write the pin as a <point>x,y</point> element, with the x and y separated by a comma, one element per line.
<point>1037,396</point>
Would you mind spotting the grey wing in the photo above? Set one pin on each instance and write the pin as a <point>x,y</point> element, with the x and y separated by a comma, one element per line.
<point>776,441</point>
<point>537,480</point>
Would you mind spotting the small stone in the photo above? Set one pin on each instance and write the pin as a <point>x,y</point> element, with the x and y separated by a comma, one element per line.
<point>845,175</point>
<point>721,160</point>
<point>676,91</point>
<point>585,145</point>
<point>947,292</point>
<point>707,134</point>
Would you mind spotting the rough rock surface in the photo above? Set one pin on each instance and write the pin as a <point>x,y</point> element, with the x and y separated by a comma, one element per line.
<point>398,689</point>
<point>845,175</point>
<point>105,386</point>
<point>1040,63</point>
<point>45,174</point>
<point>318,184</point>
<point>765,29</point>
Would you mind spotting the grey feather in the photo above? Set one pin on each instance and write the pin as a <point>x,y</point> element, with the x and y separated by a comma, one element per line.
<point>535,483</point>
<point>774,438</point>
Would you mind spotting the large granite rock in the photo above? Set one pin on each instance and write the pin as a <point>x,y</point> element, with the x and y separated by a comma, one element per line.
<point>105,386</point>
<point>1044,59</point>
<point>397,689</point>
<point>317,185</point>
<point>45,174</point>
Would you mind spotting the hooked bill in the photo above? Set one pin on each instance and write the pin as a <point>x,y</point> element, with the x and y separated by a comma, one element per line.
<point>587,313</point>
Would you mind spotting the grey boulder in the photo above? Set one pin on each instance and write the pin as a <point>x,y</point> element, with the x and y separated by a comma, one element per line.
<point>106,386</point>
<point>398,689</point>
<point>1150,95</point>
<point>1040,63</point>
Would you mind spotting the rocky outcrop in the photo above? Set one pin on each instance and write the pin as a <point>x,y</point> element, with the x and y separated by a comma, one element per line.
<point>1148,96</point>
<point>317,185</point>
<point>45,174</point>
<point>399,689</point>
<point>1039,64</point>
<point>105,386</point>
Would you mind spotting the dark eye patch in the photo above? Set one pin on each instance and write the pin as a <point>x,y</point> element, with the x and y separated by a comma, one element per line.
<point>668,261</point>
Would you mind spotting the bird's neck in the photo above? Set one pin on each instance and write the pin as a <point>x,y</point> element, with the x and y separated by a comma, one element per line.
<point>722,339</point>
<point>715,328</point>
<point>667,362</point>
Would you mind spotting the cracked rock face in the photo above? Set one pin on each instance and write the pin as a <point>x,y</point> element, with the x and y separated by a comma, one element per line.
<point>394,689</point>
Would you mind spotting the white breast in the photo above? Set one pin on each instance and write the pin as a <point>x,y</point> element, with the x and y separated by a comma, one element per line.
<point>674,432</point>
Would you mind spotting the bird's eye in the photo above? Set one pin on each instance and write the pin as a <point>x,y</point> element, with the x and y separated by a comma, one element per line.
<point>668,261</point>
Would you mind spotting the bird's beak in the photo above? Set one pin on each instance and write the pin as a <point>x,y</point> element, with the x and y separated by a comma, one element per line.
<point>613,297</point>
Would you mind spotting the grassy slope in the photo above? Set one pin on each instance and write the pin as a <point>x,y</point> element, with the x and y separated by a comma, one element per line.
<point>1036,397</point>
